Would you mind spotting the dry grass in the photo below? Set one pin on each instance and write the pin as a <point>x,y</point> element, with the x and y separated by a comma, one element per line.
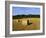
<point>34,26</point>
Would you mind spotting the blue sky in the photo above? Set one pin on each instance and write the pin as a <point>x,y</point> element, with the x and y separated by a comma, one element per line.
<point>25,10</point>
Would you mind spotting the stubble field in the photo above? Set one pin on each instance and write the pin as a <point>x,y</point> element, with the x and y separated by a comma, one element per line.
<point>20,27</point>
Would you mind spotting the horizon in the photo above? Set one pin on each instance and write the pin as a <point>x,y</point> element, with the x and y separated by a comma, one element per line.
<point>25,15</point>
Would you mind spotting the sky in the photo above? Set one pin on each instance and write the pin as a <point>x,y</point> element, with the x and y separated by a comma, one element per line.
<point>25,11</point>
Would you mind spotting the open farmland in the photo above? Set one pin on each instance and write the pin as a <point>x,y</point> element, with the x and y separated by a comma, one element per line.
<point>35,24</point>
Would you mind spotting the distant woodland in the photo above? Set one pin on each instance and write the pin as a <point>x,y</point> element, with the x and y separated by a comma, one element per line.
<point>25,16</point>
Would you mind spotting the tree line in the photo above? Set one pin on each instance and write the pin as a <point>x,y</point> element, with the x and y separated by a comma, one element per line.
<point>25,16</point>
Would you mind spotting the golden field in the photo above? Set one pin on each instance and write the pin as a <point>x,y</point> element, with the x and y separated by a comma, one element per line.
<point>22,25</point>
